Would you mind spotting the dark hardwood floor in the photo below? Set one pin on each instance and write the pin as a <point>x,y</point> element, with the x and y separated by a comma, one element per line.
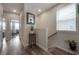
<point>14,47</point>
<point>35,50</point>
<point>58,51</point>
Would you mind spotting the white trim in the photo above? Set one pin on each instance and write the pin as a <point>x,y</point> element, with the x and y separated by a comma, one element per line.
<point>42,47</point>
<point>64,49</point>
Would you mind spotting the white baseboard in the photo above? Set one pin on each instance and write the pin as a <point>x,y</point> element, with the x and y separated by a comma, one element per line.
<point>64,49</point>
<point>23,43</point>
<point>42,47</point>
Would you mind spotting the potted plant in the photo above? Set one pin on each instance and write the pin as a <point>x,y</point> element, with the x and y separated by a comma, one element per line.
<point>72,45</point>
<point>32,29</point>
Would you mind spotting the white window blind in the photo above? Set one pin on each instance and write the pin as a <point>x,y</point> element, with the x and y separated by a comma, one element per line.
<point>66,18</point>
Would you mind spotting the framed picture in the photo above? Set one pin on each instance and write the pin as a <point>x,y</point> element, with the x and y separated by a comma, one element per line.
<point>30,18</point>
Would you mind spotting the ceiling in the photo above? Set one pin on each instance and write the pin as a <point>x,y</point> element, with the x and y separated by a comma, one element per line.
<point>31,7</point>
<point>9,7</point>
<point>34,7</point>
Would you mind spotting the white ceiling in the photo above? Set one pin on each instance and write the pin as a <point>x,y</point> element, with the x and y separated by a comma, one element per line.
<point>33,7</point>
<point>9,7</point>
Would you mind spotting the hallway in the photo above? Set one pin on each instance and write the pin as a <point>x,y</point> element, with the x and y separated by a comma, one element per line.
<point>24,20</point>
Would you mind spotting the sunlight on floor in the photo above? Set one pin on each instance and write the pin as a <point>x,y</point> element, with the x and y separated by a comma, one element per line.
<point>13,46</point>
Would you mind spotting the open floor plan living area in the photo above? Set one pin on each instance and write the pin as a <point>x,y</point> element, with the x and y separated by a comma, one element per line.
<point>39,29</point>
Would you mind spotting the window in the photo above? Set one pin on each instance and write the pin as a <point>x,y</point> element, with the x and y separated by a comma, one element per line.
<point>4,24</point>
<point>15,24</point>
<point>66,18</point>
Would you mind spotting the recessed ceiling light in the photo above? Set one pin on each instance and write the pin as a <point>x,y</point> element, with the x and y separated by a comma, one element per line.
<point>39,10</point>
<point>14,10</point>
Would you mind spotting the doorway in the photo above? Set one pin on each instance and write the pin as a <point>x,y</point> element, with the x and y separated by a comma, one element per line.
<point>15,27</point>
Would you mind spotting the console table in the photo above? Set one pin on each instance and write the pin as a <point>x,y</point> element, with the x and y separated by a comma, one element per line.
<point>32,39</point>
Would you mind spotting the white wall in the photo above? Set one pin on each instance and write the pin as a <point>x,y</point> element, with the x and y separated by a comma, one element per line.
<point>60,39</point>
<point>42,38</point>
<point>46,23</point>
<point>48,19</point>
<point>25,27</point>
